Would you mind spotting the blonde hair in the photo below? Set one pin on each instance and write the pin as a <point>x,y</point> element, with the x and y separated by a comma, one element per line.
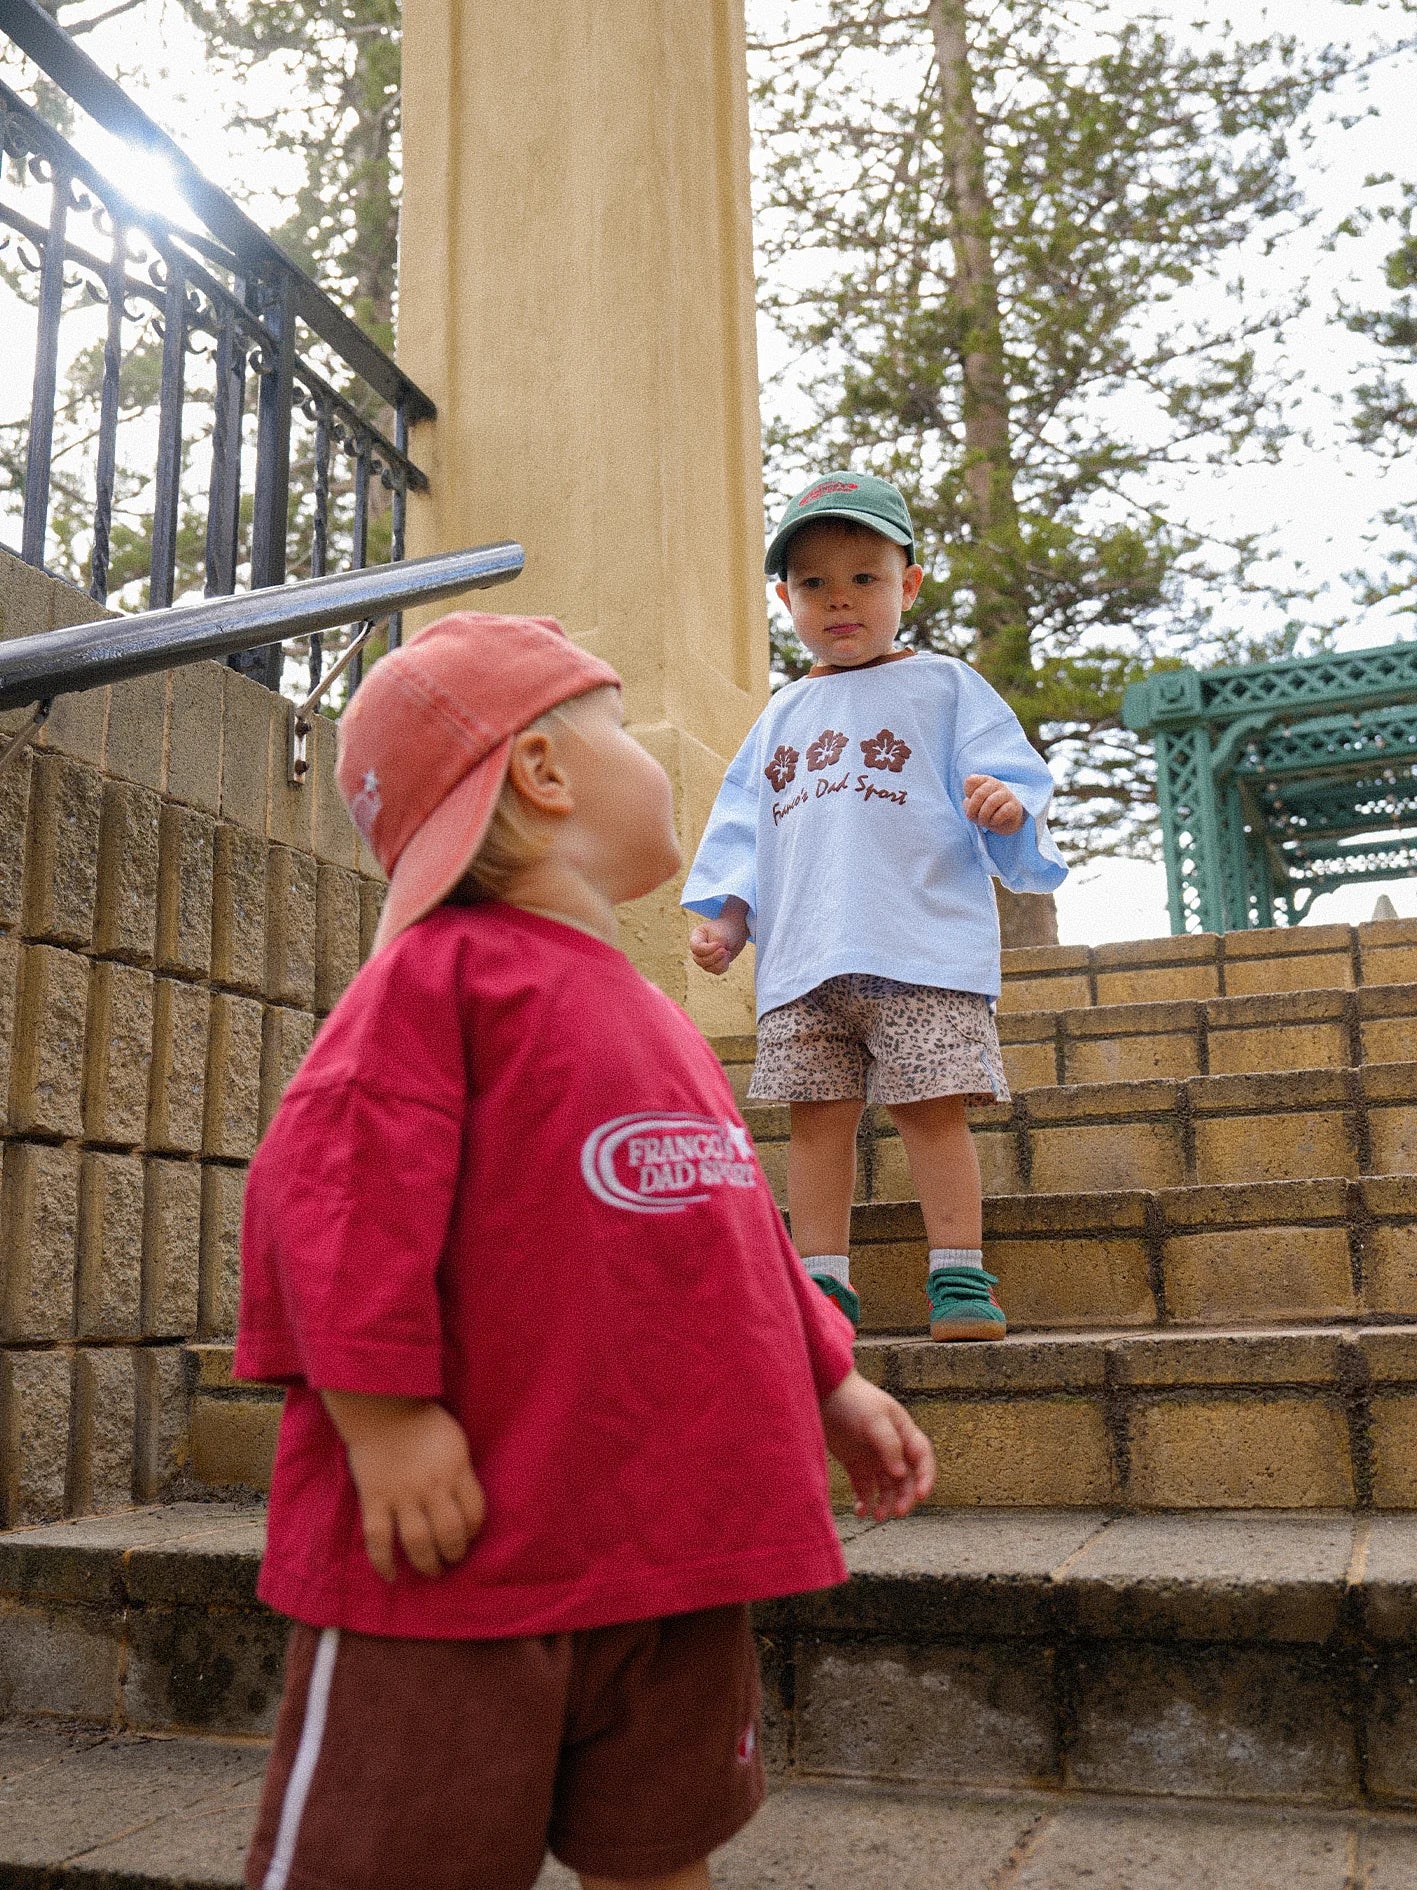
<point>517,835</point>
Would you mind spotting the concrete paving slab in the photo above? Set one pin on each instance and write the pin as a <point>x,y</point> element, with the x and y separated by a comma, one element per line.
<point>202,1844</point>
<point>1389,1857</point>
<point>1215,1575</point>
<point>99,1794</point>
<point>1002,1543</point>
<point>1085,1847</point>
<point>1389,1576</point>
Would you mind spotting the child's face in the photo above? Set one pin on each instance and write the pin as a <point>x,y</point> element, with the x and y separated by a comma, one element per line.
<point>846,589</point>
<point>622,827</point>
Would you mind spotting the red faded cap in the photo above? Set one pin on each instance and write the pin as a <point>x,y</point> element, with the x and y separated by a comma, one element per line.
<point>424,746</point>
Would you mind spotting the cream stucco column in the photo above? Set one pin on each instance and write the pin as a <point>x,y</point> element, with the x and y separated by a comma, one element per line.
<point>576,294</point>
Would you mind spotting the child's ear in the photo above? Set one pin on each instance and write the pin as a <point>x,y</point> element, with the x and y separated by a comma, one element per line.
<point>910,584</point>
<point>536,771</point>
<point>781,588</point>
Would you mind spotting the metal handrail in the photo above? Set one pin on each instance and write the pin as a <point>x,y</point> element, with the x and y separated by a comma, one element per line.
<point>35,669</point>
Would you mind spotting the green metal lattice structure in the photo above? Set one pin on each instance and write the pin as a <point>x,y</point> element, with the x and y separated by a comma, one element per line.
<point>1280,781</point>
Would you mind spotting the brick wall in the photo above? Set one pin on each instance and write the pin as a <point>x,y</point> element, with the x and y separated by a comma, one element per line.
<point>174,922</point>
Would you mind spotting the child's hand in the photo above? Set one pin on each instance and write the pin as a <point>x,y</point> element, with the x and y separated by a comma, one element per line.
<point>415,1481</point>
<point>717,942</point>
<point>880,1446</point>
<point>992,805</point>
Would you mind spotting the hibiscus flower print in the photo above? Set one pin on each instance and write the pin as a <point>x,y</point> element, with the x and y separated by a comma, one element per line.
<point>783,767</point>
<point>826,751</point>
<point>885,751</point>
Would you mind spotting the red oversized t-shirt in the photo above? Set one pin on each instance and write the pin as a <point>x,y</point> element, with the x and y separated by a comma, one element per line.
<point>510,1175</point>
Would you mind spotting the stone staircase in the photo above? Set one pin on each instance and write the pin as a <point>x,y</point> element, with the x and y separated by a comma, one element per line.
<point>1173,1549</point>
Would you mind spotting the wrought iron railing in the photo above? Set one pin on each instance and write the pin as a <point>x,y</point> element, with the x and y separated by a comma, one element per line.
<point>292,391</point>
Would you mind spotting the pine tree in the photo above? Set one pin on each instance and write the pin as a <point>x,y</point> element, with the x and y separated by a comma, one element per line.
<point>983,230</point>
<point>1385,409</point>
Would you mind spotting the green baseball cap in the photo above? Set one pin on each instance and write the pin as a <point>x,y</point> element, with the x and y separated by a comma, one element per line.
<point>870,501</point>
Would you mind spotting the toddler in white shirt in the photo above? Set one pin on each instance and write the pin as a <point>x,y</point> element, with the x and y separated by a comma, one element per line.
<point>854,839</point>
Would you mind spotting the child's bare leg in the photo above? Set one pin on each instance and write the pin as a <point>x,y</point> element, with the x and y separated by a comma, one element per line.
<point>943,1166</point>
<point>945,1170</point>
<point>821,1175</point>
<point>696,1877</point>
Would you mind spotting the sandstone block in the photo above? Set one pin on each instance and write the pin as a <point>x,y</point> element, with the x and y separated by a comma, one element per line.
<point>1250,1273</point>
<point>61,863</point>
<point>1321,1046</point>
<point>47,1058</point>
<point>1274,1147</point>
<point>371,904</point>
<point>335,841</point>
<point>1308,971</point>
<point>233,1441</point>
<point>290,928</point>
<point>286,1037</point>
<point>290,810</point>
<point>1107,1155</point>
<point>1131,1059</point>
<point>1394,1442</point>
<point>337,955</point>
<point>1268,1452</point>
<point>219,1275</point>
<point>1079,1281</point>
<point>1045,994</point>
<point>26,599</point>
<point>118,1054</point>
<point>1027,1065</point>
<point>75,726</point>
<point>239,910</point>
<point>35,1393</point>
<point>14,824</point>
<point>1394,1139</point>
<point>39,1211</point>
<point>978,1715</point>
<point>245,750</point>
<point>109,1284</point>
<point>181,1022</point>
<point>9,993</point>
<point>137,730</point>
<point>187,845</point>
<point>1212,1722</point>
<point>195,708</point>
<point>1390,1270</point>
<point>1154,984</point>
<point>101,1435</point>
<point>160,1442</point>
<point>1035,1452</point>
<point>1389,1039</point>
<point>233,1078</point>
<point>172,1221</point>
<point>126,919</point>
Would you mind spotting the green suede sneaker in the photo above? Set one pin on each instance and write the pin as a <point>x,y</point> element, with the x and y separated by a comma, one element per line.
<point>843,1296</point>
<point>963,1306</point>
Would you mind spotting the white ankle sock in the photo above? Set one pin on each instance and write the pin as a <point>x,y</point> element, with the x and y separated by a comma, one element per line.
<point>836,1266</point>
<point>953,1257</point>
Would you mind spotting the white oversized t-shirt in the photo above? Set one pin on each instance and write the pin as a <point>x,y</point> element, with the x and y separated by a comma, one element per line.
<point>841,826</point>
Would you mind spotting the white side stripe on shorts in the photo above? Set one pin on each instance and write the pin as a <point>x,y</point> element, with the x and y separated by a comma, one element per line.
<point>307,1756</point>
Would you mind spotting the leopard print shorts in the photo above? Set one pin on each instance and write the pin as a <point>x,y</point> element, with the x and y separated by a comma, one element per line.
<point>860,1035</point>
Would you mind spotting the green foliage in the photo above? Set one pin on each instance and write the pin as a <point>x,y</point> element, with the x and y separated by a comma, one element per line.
<point>1123,169</point>
<point>1385,406</point>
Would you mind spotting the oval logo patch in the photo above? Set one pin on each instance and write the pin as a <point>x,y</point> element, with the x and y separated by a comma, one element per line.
<point>662,1164</point>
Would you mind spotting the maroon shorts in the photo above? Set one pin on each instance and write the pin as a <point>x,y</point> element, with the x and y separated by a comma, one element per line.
<point>453,1765</point>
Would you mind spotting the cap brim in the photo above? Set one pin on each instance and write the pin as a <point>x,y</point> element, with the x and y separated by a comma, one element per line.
<point>773,563</point>
<point>444,847</point>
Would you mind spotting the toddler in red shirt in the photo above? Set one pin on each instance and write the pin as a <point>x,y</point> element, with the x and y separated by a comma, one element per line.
<point>557,1384</point>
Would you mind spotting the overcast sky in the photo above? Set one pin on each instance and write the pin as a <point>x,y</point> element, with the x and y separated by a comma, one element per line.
<point>1322,502</point>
